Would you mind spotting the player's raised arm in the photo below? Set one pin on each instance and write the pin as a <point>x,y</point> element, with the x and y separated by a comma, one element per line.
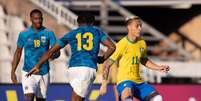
<point>44,58</point>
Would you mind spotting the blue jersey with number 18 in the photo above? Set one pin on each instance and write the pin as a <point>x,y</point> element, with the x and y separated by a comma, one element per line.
<point>84,42</point>
<point>35,44</point>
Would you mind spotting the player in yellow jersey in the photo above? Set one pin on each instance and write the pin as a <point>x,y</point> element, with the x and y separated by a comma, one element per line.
<point>131,51</point>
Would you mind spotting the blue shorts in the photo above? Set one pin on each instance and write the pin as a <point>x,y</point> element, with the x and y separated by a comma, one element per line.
<point>139,91</point>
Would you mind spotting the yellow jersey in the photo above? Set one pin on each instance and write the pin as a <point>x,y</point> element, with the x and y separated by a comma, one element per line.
<point>128,56</point>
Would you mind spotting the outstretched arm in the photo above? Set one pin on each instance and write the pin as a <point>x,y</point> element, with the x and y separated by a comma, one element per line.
<point>48,54</point>
<point>163,68</point>
<point>44,58</point>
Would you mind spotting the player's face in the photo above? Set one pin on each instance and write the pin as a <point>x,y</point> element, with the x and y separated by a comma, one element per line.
<point>135,28</point>
<point>37,20</point>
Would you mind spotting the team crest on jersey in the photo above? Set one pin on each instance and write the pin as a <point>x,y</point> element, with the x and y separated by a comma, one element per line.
<point>43,39</point>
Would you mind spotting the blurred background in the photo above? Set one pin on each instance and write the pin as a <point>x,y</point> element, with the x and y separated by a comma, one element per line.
<point>171,28</point>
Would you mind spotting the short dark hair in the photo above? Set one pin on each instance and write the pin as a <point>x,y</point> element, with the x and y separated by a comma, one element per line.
<point>86,18</point>
<point>128,20</point>
<point>35,11</point>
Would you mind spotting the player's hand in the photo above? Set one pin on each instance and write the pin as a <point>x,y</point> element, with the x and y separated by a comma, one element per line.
<point>34,70</point>
<point>100,59</point>
<point>164,68</point>
<point>103,88</point>
<point>14,78</point>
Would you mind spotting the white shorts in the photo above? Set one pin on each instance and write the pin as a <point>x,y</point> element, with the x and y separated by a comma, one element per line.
<point>81,78</point>
<point>36,84</point>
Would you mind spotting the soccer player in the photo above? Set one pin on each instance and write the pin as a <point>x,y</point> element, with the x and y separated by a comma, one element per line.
<point>84,42</point>
<point>35,40</point>
<point>130,52</point>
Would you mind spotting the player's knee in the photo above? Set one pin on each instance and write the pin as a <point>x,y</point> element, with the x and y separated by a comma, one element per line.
<point>126,93</point>
<point>157,98</point>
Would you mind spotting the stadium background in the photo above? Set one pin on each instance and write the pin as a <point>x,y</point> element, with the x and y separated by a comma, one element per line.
<point>172,29</point>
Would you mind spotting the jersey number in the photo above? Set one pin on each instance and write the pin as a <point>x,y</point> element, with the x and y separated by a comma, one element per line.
<point>36,43</point>
<point>135,60</point>
<point>89,43</point>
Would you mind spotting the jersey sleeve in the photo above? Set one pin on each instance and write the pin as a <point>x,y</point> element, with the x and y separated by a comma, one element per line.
<point>52,38</point>
<point>64,40</point>
<point>20,40</point>
<point>118,52</point>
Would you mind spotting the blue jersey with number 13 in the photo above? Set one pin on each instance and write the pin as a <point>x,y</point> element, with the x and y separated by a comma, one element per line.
<point>84,42</point>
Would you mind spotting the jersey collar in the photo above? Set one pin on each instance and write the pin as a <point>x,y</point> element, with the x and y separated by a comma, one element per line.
<point>32,30</point>
<point>130,41</point>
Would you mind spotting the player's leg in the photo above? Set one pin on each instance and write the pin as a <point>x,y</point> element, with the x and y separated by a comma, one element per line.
<point>148,93</point>
<point>157,97</point>
<point>29,86</point>
<point>80,83</point>
<point>125,91</point>
<point>154,96</point>
<point>42,87</point>
<point>126,94</point>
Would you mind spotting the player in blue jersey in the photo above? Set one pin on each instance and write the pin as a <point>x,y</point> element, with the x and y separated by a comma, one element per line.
<point>35,40</point>
<point>84,42</point>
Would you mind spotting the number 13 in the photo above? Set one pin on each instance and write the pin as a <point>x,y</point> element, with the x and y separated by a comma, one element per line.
<point>89,45</point>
